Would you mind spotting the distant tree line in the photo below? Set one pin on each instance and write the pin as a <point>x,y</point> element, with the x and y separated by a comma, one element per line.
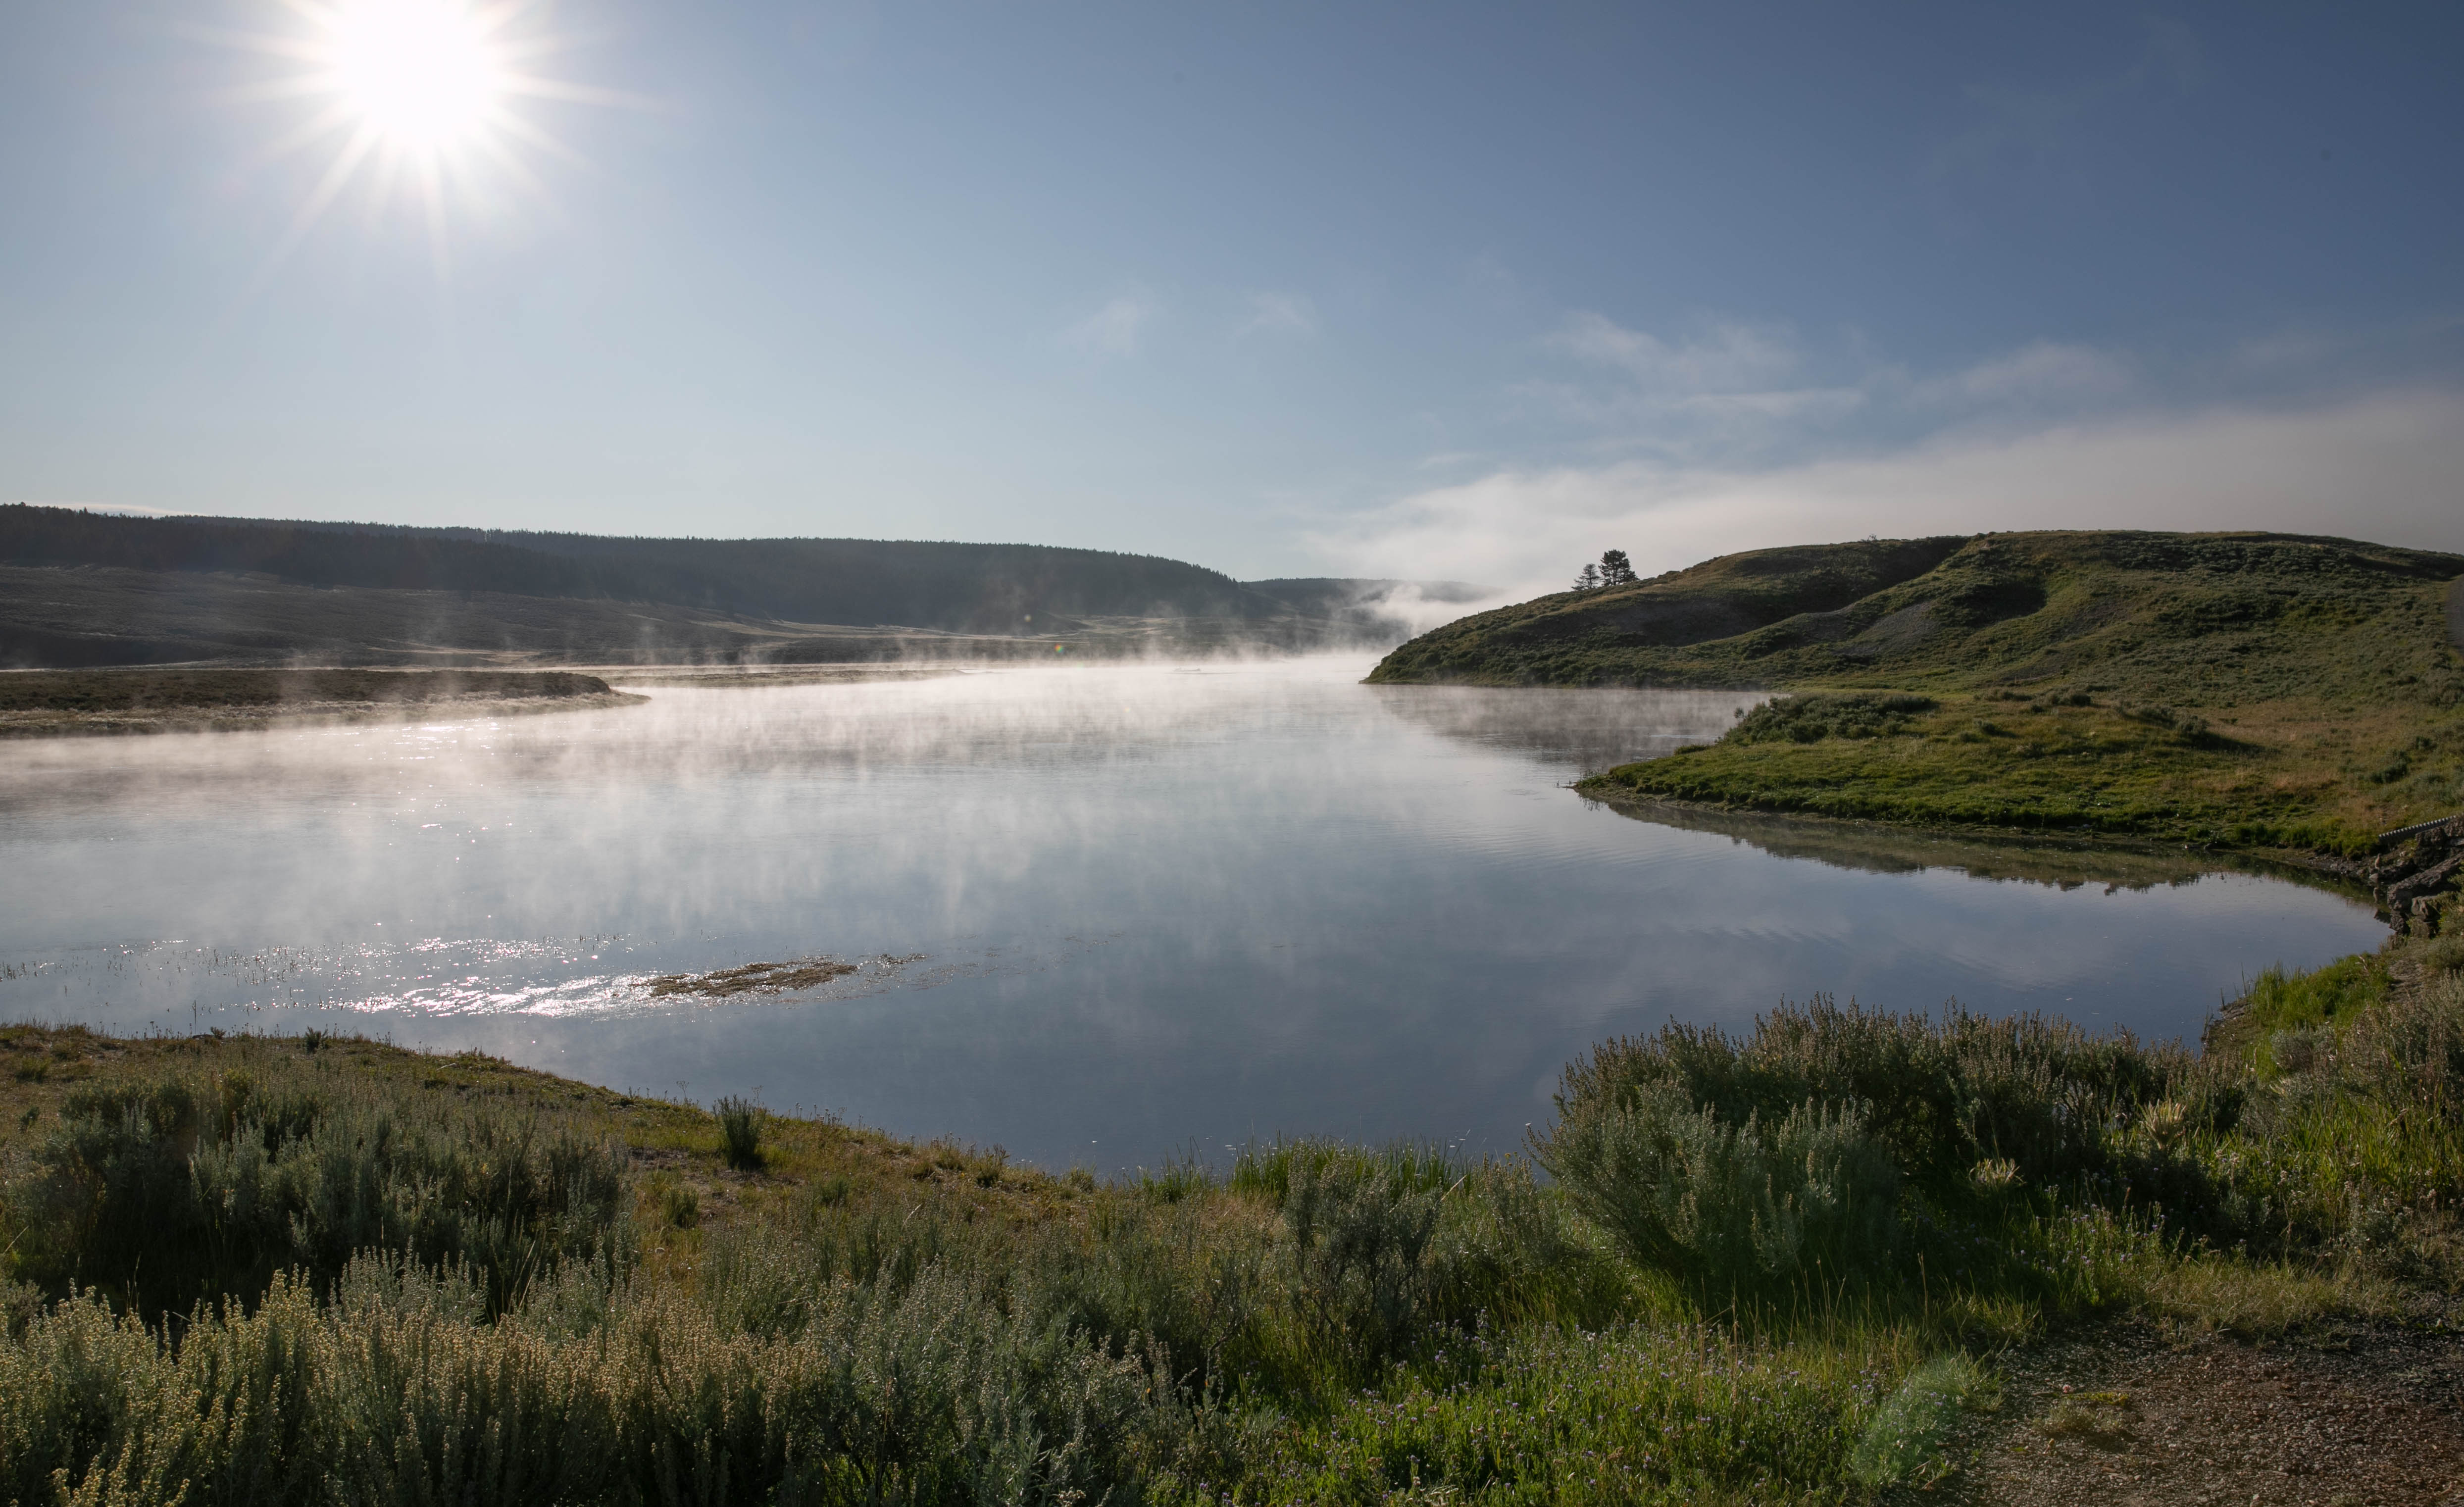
<point>967,587</point>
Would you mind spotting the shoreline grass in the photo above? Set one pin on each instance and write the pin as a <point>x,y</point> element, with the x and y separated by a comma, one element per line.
<point>2285,783</point>
<point>1774,1267</point>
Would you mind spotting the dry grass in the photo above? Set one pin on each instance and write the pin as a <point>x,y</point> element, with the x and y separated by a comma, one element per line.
<point>2256,1299</point>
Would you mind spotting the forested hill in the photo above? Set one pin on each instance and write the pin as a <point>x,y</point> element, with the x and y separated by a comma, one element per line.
<point>2190,616</point>
<point>972,588</point>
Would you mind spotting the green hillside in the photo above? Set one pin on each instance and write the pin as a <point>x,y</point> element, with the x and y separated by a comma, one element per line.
<point>2247,688</point>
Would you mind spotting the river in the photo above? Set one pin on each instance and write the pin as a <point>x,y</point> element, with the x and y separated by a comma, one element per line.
<point>1104,916</point>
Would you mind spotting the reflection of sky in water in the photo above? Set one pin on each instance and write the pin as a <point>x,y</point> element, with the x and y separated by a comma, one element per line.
<point>1138,908</point>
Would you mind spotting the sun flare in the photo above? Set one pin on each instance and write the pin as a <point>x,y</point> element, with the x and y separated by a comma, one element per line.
<point>428,101</point>
<point>420,72</point>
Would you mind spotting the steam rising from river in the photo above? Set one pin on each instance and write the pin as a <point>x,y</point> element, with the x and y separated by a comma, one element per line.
<point>1100,911</point>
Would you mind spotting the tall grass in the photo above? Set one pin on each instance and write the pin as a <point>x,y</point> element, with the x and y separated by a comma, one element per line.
<point>741,1124</point>
<point>1680,1413</point>
<point>2351,1123</point>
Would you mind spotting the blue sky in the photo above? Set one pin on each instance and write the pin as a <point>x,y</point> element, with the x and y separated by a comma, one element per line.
<point>1456,290</point>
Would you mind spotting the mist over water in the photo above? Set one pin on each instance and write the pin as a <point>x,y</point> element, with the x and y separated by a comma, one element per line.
<point>1101,913</point>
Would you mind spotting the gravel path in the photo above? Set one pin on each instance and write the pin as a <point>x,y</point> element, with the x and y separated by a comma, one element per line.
<point>2365,1416</point>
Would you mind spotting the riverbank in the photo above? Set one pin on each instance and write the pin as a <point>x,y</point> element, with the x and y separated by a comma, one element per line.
<point>713,677</point>
<point>1864,1255</point>
<point>2068,766</point>
<point>90,703</point>
<point>2061,857</point>
<point>2281,779</point>
<point>2261,692</point>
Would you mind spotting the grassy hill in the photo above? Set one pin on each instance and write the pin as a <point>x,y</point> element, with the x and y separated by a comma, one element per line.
<point>2253,689</point>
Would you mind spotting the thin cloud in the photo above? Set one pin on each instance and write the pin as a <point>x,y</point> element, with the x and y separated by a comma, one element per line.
<point>1116,329</point>
<point>2043,371</point>
<point>2384,467</point>
<point>1739,394</point>
<point>1284,314</point>
<point>1724,391</point>
<point>1725,357</point>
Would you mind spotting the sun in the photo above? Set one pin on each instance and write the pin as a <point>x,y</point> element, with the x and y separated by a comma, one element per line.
<point>423,74</point>
<point>431,100</point>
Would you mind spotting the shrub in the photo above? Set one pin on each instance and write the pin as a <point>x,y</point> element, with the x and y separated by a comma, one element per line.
<point>1666,1138</point>
<point>2445,953</point>
<point>1939,1093</point>
<point>741,1124</point>
<point>1811,718</point>
<point>399,1389</point>
<point>167,1194</point>
<point>1358,1242</point>
<point>1495,1247</point>
<point>1744,1206</point>
<point>680,1205</point>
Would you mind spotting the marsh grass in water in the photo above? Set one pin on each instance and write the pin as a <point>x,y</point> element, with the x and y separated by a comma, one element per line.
<point>754,977</point>
<point>1766,1269</point>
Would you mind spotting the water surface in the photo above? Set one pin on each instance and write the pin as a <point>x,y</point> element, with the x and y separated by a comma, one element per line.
<point>1102,913</point>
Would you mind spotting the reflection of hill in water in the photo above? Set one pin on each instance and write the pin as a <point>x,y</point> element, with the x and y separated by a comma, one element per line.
<point>1593,730</point>
<point>2062,862</point>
